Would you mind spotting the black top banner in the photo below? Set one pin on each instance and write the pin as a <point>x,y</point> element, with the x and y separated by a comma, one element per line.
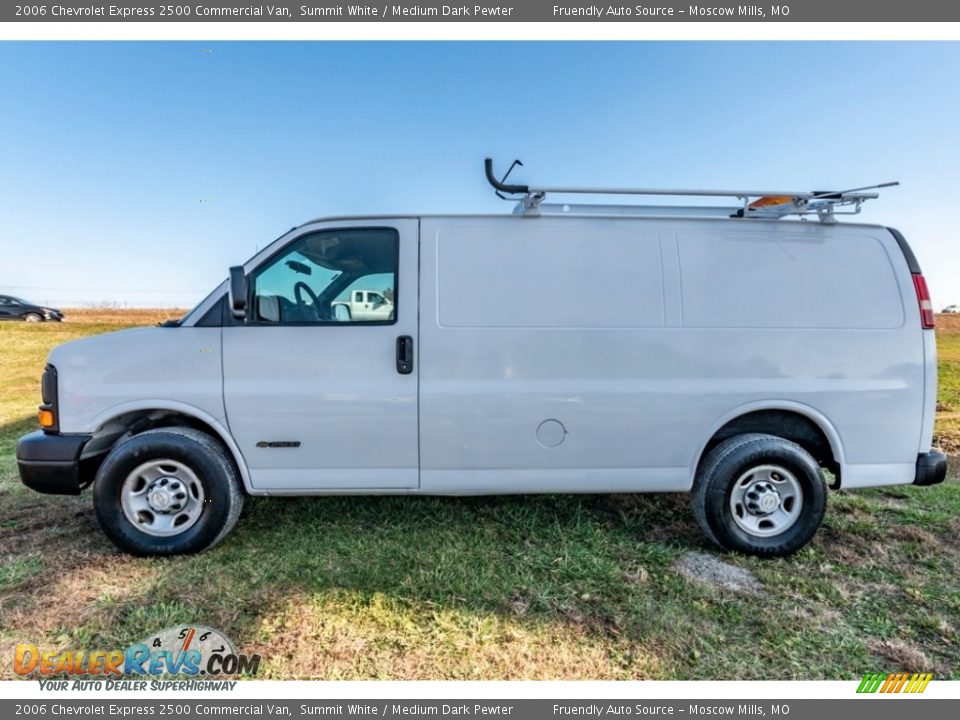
<point>497,709</point>
<point>894,11</point>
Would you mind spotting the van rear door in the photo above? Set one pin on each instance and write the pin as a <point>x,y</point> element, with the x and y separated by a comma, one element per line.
<point>318,399</point>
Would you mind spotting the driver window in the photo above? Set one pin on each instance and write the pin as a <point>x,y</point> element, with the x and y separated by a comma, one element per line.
<point>322,277</point>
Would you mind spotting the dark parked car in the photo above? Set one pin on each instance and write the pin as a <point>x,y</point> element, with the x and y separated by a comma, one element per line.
<point>12,308</point>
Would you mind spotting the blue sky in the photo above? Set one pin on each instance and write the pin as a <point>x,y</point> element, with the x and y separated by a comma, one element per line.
<point>138,172</point>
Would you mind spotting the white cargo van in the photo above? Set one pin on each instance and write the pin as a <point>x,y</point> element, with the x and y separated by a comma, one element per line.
<point>733,353</point>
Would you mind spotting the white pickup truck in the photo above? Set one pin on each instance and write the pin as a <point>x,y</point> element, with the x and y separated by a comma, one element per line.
<point>364,305</point>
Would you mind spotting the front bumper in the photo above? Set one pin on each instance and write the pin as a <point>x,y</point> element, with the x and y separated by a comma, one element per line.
<point>50,463</point>
<point>931,469</point>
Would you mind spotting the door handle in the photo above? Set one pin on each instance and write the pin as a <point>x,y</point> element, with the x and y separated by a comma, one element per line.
<point>404,354</point>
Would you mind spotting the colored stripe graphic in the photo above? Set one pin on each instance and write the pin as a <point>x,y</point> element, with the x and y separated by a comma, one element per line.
<point>894,682</point>
<point>922,682</point>
<point>871,682</point>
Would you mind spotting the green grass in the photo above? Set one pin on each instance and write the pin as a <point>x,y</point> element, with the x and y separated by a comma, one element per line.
<point>17,569</point>
<point>948,395</point>
<point>503,587</point>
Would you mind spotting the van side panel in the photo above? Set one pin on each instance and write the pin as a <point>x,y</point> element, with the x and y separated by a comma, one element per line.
<point>543,275</point>
<point>568,354</point>
<point>831,312</point>
<point>544,348</point>
<point>793,279</point>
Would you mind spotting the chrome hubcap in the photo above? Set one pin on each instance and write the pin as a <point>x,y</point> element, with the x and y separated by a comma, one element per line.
<point>162,497</point>
<point>766,500</point>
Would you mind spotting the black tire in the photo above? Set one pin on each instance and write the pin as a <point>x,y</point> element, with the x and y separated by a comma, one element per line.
<point>33,317</point>
<point>222,494</point>
<point>715,483</point>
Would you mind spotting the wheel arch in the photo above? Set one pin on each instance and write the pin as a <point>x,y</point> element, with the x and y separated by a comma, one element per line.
<point>791,420</point>
<point>132,418</point>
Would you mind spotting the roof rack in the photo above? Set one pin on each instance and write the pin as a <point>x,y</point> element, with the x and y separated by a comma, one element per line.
<point>770,204</point>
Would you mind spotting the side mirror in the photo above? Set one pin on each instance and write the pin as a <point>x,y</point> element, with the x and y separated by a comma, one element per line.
<point>238,292</point>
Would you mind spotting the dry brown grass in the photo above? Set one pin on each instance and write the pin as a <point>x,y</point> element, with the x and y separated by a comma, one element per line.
<point>138,316</point>
<point>384,639</point>
<point>905,656</point>
<point>948,324</point>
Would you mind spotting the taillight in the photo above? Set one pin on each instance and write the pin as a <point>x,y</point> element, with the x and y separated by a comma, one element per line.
<point>923,299</point>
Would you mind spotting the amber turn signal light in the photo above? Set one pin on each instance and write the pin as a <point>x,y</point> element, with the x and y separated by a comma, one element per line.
<point>46,419</point>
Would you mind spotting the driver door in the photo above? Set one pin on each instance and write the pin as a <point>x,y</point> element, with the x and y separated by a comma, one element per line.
<point>317,399</point>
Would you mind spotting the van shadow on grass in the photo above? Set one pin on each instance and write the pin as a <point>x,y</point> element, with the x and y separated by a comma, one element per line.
<point>355,587</point>
<point>501,587</point>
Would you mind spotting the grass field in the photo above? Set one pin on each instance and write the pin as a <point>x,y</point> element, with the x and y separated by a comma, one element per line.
<point>488,588</point>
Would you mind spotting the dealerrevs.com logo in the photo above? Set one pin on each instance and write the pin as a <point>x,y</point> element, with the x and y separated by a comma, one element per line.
<point>185,650</point>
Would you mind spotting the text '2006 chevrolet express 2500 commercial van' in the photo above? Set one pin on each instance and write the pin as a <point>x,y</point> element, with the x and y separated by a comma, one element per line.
<point>732,353</point>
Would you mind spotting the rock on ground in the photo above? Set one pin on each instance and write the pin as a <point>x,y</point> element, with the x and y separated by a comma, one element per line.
<point>700,567</point>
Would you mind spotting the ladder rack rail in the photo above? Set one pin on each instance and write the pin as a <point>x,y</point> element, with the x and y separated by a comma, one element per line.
<point>697,211</point>
<point>753,203</point>
<point>533,190</point>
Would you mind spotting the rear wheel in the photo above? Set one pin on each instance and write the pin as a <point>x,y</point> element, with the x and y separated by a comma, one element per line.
<point>33,317</point>
<point>759,494</point>
<point>168,491</point>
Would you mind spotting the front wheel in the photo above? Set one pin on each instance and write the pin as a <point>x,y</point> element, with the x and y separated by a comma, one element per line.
<point>759,494</point>
<point>167,491</point>
<point>33,317</point>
